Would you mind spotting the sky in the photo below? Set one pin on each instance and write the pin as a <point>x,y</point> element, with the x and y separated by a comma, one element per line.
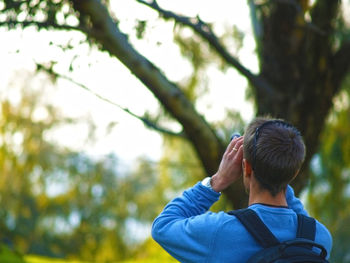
<point>109,78</point>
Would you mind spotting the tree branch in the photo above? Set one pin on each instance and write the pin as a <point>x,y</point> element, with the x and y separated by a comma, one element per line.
<point>145,120</point>
<point>13,23</point>
<point>207,34</point>
<point>106,32</point>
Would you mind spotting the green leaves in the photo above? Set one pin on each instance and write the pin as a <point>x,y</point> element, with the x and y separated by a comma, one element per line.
<point>329,191</point>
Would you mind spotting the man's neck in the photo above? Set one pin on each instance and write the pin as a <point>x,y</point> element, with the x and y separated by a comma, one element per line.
<point>264,197</point>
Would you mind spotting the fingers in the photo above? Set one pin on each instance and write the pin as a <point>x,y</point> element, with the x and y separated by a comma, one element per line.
<point>239,154</point>
<point>230,168</point>
<point>235,145</point>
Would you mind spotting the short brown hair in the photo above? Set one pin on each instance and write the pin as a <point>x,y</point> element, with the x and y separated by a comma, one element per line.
<point>276,151</point>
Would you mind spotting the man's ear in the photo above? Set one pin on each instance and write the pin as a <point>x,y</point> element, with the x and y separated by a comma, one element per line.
<point>247,175</point>
<point>247,168</point>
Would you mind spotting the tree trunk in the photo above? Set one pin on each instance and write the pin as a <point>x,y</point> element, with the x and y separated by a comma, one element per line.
<point>296,59</point>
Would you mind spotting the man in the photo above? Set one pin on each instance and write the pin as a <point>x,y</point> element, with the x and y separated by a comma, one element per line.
<point>269,156</point>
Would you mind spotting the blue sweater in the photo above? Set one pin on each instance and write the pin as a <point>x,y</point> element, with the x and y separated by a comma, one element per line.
<point>191,234</point>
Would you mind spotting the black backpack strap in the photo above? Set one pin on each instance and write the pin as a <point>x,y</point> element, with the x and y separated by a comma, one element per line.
<point>256,227</point>
<point>306,227</point>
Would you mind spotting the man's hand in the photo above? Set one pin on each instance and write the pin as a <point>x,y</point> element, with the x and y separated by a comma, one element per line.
<point>230,168</point>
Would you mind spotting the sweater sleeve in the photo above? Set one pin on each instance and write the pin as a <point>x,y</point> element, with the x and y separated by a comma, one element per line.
<point>294,203</point>
<point>184,229</point>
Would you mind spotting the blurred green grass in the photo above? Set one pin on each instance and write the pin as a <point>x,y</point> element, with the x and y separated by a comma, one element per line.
<point>36,259</point>
<point>151,254</point>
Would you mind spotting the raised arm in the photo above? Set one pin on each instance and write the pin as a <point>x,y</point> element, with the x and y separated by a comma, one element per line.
<point>294,202</point>
<point>182,228</point>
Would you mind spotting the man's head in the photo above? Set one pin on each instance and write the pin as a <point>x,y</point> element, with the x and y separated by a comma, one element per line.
<point>275,150</point>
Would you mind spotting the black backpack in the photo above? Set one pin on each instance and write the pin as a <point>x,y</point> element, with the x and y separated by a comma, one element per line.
<point>295,250</point>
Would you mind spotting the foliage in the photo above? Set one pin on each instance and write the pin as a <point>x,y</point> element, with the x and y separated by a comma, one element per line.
<point>151,252</point>
<point>7,255</point>
<point>329,190</point>
<point>61,203</point>
<point>69,204</point>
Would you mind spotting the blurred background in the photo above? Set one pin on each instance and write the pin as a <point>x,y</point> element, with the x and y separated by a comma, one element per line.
<point>111,108</point>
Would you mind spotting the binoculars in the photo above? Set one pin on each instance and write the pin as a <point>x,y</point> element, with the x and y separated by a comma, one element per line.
<point>235,135</point>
